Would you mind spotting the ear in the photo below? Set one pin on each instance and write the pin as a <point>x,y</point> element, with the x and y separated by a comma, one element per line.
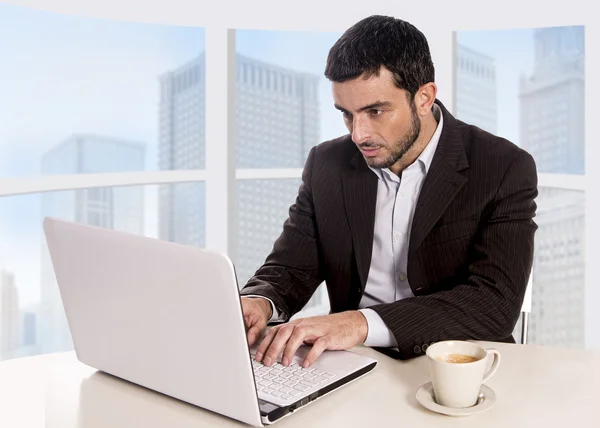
<point>425,97</point>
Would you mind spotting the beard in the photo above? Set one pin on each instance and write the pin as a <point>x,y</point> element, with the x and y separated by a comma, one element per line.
<point>401,146</point>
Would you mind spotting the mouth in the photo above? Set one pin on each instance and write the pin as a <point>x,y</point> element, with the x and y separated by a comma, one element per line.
<point>370,151</point>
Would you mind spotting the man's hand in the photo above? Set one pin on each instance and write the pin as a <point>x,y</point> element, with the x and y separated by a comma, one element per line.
<point>331,332</point>
<point>257,311</point>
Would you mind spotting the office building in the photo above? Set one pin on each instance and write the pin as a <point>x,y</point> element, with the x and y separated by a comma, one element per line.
<point>277,122</point>
<point>476,89</point>
<point>9,316</point>
<point>182,146</point>
<point>552,101</point>
<point>120,208</point>
<point>558,299</point>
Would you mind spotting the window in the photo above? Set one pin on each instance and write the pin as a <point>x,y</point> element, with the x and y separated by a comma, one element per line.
<point>90,107</point>
<point>520,106</point>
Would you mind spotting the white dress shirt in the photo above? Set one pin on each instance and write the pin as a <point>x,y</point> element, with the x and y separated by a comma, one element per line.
<point>396,200</point>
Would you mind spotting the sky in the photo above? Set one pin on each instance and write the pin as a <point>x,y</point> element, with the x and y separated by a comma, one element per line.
<point>62,75</point>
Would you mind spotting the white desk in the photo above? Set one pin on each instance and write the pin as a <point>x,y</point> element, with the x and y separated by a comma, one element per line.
<point>536,387</point>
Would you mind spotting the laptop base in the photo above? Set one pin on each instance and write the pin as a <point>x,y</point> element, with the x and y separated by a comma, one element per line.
<point>271,413</point>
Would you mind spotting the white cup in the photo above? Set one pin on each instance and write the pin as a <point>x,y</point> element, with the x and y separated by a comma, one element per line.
<point>457,384</point>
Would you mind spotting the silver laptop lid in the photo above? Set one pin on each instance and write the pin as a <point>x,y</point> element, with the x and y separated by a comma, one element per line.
<point>159,314</point>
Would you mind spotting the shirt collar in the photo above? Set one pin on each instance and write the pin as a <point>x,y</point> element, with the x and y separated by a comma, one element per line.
<point>426,156</point>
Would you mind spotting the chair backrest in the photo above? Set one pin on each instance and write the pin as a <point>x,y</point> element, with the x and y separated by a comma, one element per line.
<point>526,307</point>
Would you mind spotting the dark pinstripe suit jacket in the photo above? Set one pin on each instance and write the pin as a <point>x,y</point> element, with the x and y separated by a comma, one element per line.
<point>470,248</point>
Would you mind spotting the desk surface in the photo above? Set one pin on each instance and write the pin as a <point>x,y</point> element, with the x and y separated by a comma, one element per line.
<point>536,387</point>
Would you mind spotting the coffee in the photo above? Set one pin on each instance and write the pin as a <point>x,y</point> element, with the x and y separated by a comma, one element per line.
<point>457,358</point>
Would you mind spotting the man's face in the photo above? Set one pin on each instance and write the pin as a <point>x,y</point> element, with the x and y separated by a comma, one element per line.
<point>378,115</point>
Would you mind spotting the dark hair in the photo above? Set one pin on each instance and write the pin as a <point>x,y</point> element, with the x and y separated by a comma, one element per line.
<point>382,41</point>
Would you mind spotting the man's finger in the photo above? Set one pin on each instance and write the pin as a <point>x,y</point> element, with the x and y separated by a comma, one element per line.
<point>317,349</point>
<point>265,343</point>
<point>294,342</point>
<point>253,333</point>
<point>277,344</point>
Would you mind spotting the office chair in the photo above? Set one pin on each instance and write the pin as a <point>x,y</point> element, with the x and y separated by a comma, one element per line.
<point>525,310</point>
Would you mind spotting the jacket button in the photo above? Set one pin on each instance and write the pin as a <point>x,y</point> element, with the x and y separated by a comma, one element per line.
<point>424,347</point>
<point>417,349</point>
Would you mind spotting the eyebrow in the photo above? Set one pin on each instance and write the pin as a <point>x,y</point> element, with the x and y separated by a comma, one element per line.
<point>376,104</point>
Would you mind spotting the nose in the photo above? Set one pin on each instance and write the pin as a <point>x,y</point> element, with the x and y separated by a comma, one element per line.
<point>361,131</point>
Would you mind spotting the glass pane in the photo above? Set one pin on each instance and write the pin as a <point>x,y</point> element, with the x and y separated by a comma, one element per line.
<point>131,88</point>
<point>33,319</point>
<point>527,85</point>
<point>558,300</point>
<point>262,207</point>
<point>284,104</point>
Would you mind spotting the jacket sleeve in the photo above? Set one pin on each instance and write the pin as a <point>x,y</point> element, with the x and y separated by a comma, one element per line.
<point>487,303</point>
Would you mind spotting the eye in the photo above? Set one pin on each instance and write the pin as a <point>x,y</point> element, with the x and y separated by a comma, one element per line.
<point>376,112</point>
<point>346,115</point>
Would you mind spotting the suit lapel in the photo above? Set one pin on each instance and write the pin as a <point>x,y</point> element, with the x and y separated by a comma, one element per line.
<point>360,197</point>
<point>438,191</point>
<point>443,182</point>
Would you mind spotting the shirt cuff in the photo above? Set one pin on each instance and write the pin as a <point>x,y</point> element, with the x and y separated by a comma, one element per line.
<point>378,334</point>
<point>276,316</point>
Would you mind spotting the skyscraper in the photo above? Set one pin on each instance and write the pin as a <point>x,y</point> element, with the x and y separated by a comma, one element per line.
<point>182,146</point>
<point>9,316</point>
<point>552,101</point>
<point>558,295</point>
<point>552,130</point>
<point>476,89</point>
<point>277,122</point>
<point>120,208</point>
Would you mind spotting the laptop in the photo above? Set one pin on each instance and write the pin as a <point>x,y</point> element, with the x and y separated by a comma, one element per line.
<point>168,317</point>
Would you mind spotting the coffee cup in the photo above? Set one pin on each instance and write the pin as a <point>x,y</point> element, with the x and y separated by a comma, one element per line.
<point>457,370</point>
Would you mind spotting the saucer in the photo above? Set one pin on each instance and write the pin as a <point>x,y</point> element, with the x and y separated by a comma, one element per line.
<point>486,401</point>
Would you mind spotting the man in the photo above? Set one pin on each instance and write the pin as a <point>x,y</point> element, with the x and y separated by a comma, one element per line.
<point>420,225</point>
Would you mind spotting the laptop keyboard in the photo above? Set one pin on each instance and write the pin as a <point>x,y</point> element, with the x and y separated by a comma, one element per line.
<point>287,382</point>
